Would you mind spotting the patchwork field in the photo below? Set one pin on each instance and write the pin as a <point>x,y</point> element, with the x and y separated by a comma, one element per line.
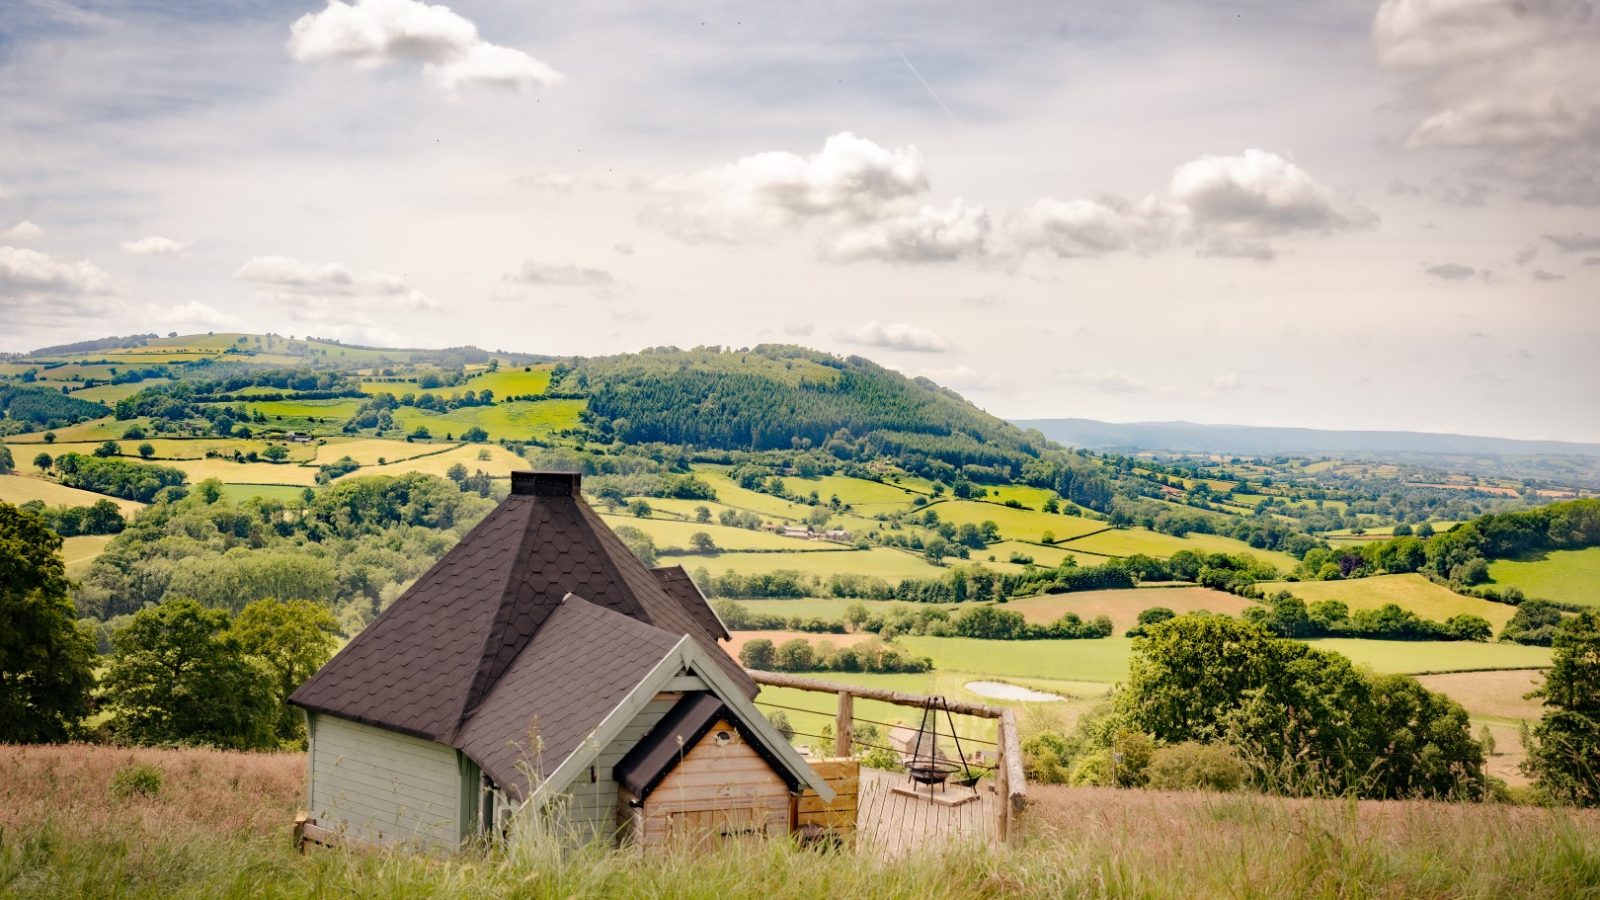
<point>670,533</point>
<point>1571,576</point>
<point>1103,660</point>
<point>110,393</point>
<point>1498,696</point>
<point>879,562</point>
<point>866,497</point>
<point>1409,591</point>
<point>1124,606</point>
<point>828,607</point>
<point>730,493</point>
<point>1042,555</point>
<point>502,421</point>
<point>283,493</point>
<point>19,489</point>
<point>368,451</point>
<point>1016,524</point>
<point>740,638</point>
<point>1126,542</point>
<point>167,449</point>
<point>78,552</point>
<point>1420,657</point>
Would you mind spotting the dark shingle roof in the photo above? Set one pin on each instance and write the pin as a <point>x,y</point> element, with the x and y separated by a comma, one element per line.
<point>676,582</point>
<point>426,663</point>
<point>653,758</point>
<point>576,670</point>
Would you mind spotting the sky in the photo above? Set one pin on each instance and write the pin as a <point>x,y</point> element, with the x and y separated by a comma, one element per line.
<point>1332,214</point>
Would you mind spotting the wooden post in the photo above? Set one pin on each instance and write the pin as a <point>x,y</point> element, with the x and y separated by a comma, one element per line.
<point>1016,796</point>
<point>844,724</point>
<point>1002,783</point>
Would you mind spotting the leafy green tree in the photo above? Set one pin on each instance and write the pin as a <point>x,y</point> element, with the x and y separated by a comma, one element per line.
<point>758,654</point>
<point>42,462</point>
<point>639,509</point>
<point>147,450</point>
<point>294,638</point>
<point>276,453</point>
<point>702,514</point>
<point>475,435</point>
<point>1534,622</point>
<point>109,448</point>
<point>46,658</point>
<point>795,655</point>
<point>6,462</point>
<point>178,675</point>
<point>1565,754</point>
<point>701,542</point>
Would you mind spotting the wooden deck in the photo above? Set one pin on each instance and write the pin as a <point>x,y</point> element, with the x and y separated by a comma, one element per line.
<point>894,825</point>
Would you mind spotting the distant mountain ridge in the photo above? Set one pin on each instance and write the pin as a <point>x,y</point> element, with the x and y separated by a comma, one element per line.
<point>1255,440</point>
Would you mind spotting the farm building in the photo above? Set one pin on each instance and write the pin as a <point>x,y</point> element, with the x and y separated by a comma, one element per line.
<point>539,666</point>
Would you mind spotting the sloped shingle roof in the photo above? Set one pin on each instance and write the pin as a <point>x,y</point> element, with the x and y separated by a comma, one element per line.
<point>426,663</point>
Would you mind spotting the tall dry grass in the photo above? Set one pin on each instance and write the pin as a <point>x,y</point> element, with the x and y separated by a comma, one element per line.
<point>219,826</point>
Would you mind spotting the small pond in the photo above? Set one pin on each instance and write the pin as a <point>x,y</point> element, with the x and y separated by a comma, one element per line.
<point>1002,691</point>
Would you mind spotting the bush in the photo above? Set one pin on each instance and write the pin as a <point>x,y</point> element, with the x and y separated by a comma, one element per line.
<point>881,758</point>
<point>1195,766</point>
<point>142,781</point>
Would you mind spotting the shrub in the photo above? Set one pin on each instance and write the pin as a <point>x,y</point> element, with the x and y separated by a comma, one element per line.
<point>1195,766</point>
<point>142,781</point>
<point>882,758</point>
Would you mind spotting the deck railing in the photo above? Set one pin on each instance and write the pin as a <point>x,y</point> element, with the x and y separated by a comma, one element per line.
<point>1010,785</point>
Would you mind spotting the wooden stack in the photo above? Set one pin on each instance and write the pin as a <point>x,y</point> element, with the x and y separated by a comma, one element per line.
<point>835,821</point>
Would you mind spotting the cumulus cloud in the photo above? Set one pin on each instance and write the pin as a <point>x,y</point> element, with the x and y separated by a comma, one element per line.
<point>155,245</point>
<point>851,179</point>
<point>22,231</point>
<point>374,33</point>
<point>561,275</point>
<point>1451,271</point>
<point>193,314</point>
<point>30,273</point>
<point>293,281</point>
<point>1511,77</point>
<point>931,234</point>
<point>898,336</point>
<point>1220,205</point>
<point>1576,242</point>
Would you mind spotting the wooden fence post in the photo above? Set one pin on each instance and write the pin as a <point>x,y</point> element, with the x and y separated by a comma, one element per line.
<point>1002,783</point>
<point>844,724</point>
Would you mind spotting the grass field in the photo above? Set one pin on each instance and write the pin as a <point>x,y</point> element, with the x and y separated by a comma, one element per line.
<point>740,638</point>
<point>828,607</point>
<point>1128,541</point>
<point>879,562</point>
<point>230,472</point>
<point>110,393</point>
<point>1498,696</point>
<point>1572,576</point>
<point>1042,555</point>
<point>1409,591</point>
<point>498,462</point>
<point>1104,660</point>
<point>1124,606</point>
<point>94,430</point>
<point>670,533</point>
<point>367,451</point>
<point>503,421</point>
<point>167,449</point>
<point>333,412</point>
<point>672,507</point>
<point>507,382</point>
<point>78,552</point>
<point>1016,524</point>
<point>866,497</point>
<point>285,493</point>
<point>732,494</point>
<point>20,489</point>
<point>1420,657</point>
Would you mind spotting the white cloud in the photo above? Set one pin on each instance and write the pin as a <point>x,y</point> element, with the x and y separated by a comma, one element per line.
<point>1228,381</point>
<point>961,378</point>
<point>31,273</point>
<point>931,234</point>
<point>372,33</point>
<point>1512,77</point>
<point>1109,382</point>
<point>1221,205</point>
<point>194,314</point>
<point>288,272</point>
<point>561,275</point>
<point>799,328</point>
<point>22,231</point>
<point>155,245</point>
<point>849,179</point>
<point>898,336</point>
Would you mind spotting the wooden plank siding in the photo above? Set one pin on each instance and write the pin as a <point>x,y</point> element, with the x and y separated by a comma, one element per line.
<point>590,807</point>
<point>384,787</point>
<point>839,816</point>
<point>716,792</point>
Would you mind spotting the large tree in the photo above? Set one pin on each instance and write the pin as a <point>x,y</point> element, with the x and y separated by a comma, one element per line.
<point>178,675</point>
<point>294,638</point>
<point>1565,752</point>
<point>46,659</point>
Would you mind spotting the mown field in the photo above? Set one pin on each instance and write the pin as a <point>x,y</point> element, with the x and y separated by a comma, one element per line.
<point>878,562</point>
<point>1015,524</point>
<point>670,534</point>
<point>1128,541</point>
<point>1124,606</point>
<point>1571,576</point>
<point>1409,591</point>
<point>218,828</point>
<point>20,489</point>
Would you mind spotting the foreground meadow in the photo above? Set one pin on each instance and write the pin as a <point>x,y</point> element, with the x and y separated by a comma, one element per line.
<point>218,825</point>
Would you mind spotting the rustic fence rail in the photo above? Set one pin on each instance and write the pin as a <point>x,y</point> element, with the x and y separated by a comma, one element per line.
<point>1010,784</point>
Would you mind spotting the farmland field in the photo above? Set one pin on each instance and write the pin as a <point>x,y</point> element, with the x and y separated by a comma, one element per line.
<point>829,607</point>
<point>1409,591</point>
<point>671,533</point>
<point>110,393</point>
<point>20,489</point>
<point>508,421</point>
<point>1124,606</point>
<point>1105,659</point>
<point>1571,576</point>
<point>77,552</point>
<point>740,638</point>
<point>498,462</point>
<point>1126,542</point>
<point>284,493</point>
<point>228,471</point>
<point>328,411</point>
<point>1017,524</point>
<point>1042,555</point>
<point>1500,696</point>
<point>866,497</point>
<point>94,430</point>
<point>879,562</point>
<point>1418,657</point>
<point>367,451</point>
<point>732,494</point>
<point>167,449</point>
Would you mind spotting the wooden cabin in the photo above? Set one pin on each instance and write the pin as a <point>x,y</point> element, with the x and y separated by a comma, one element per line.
<point>539,668</point>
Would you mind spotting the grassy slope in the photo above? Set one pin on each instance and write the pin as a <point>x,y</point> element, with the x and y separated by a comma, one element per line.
<point>1572,576</point>
<point>19,489</point>
<point>219,828</point>
<point>1124,606</point>
<point>1126,542</point>
<point>1015,524</point>
<point>1410,591</point>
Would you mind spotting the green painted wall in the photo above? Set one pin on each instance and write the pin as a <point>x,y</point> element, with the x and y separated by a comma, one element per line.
<point>591,808</point>
<point>386,787</point>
